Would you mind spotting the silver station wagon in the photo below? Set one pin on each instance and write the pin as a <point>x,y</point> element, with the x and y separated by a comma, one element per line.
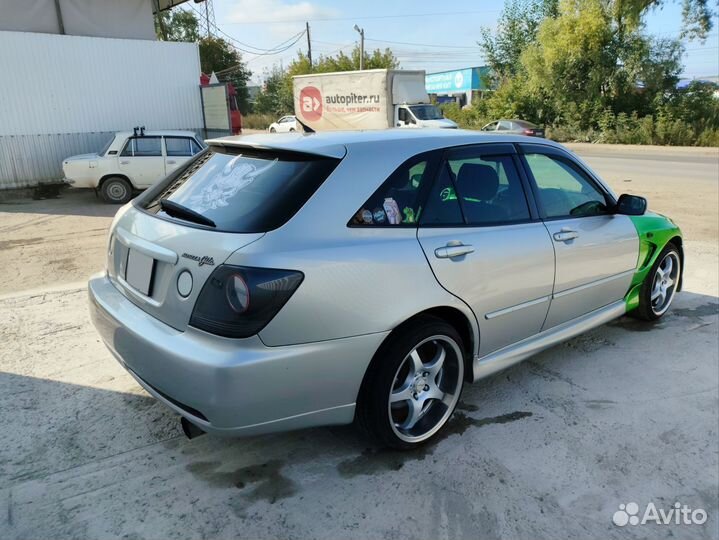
<point>277,282</point>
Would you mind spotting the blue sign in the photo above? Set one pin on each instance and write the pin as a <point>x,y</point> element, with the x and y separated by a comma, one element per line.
<point>460,80</point>
<point>449,81</point>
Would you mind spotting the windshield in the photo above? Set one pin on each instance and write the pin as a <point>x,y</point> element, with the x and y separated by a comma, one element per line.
<point>106,146</point>
<point>426,112</point>
<point>246,190</point>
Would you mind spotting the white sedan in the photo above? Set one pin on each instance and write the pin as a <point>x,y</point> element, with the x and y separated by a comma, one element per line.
<point>284,125</point>
<point>131,160</point>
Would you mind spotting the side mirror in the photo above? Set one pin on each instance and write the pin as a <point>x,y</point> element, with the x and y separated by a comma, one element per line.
<point>630,205</point>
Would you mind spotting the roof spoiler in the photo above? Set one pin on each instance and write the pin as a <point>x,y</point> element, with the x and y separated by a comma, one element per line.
<point>305,127</point>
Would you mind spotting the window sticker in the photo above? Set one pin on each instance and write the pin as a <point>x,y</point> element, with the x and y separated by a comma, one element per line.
<point>236,175</point>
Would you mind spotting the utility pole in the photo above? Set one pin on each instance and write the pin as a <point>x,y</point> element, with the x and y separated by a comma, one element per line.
<point>58,14</point>
<point>361,33</point>
<point>309,43</point>
<point>160,22</point>
<point>209,17</point>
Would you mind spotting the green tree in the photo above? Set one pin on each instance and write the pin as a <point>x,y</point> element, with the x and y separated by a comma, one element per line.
<point>516,30</point>
<point>276,96</point>
<point>219,56</point>
<point>583,63</point>
<point>376,59</point>
<point>216,54</point>
<point>177,25</point>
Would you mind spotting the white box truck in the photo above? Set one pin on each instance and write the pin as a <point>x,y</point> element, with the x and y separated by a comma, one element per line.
<point>369,99</point>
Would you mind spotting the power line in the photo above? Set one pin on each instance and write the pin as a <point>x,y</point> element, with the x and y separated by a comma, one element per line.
<point>424,44</point>
<point>258,55</point>
<point>367,17</point>
<point>258,50</point>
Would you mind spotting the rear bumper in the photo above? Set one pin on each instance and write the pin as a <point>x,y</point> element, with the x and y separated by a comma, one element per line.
<point>229,386</point>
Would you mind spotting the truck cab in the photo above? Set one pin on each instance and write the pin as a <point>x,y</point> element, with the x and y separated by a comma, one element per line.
<point>421,115</point>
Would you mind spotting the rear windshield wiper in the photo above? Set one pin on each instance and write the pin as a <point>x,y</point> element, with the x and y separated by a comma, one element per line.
<point>182,212</point>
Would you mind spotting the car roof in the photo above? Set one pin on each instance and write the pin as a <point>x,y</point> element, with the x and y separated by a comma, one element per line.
<point>337,143</point>
<point>523,123</point>
<point>175,132</point>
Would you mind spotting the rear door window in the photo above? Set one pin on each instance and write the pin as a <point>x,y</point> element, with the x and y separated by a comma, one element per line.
<point>143,147</point>
<point>181,146</point>
<point>397,201</point>
<point>442,207</point>
<point>246,190</point>
<point>476,189</point>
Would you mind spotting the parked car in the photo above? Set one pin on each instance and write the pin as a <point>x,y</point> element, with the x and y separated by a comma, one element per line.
<point>287,281</point>
<point>284,125</point>
<point>515,127</point>
<point>130,161</point>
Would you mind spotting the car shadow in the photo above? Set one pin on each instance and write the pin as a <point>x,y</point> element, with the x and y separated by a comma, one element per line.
<point>71,202</point>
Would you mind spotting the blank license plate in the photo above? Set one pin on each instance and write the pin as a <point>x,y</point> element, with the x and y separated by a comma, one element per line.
<point>139,271</point>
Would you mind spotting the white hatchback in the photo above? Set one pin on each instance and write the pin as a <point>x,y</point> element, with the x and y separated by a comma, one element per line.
<point>131,160</point>
<point>284,125</point>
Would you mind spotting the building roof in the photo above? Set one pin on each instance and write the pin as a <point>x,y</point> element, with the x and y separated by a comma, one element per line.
<point>167,4</point>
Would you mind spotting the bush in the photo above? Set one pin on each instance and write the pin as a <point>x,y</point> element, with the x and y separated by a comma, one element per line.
<point>665,128</point>
<point>467,118</point>
<point>257,121</point>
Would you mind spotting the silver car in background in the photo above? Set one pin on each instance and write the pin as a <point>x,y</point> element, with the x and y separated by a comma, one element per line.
<point>515,127</point>
<point>287,281</point>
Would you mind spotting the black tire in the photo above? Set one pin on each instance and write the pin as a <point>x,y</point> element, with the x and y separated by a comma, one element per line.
<point>116,190</point>
<point>292,129</point>
<point>378,418</point>
<point>273,130</point>
<point>649,309</point>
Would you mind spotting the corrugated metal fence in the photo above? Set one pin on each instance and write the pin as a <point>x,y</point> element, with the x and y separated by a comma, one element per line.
<point>66,95</point>
<point>26,160</point>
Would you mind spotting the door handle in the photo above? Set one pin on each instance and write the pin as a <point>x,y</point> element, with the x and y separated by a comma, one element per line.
<point>124,162</point>
<point>565,235</point>
<point>171,162</point>
<point>452,250</point>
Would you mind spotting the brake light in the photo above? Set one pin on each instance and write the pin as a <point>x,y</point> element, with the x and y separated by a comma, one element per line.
<point>239,301</point>
<point>529,132</point>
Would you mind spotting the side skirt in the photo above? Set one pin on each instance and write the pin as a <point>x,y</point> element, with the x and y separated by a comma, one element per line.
<point>513,354</point>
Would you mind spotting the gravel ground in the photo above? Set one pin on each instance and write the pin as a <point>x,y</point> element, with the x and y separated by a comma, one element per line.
<point>550,448</point>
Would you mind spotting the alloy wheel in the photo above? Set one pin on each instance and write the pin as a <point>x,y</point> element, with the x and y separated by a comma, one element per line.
<point>426,388</point>
<point>665,282</point>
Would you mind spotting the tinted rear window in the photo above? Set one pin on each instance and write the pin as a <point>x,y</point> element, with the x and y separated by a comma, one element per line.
<point>246,190</point>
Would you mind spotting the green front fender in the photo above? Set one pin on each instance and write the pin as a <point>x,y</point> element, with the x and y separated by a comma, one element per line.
<point>654,231</point>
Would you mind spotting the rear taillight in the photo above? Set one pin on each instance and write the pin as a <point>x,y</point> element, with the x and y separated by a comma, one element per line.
<point>529,132</point>
<point>239,301</point>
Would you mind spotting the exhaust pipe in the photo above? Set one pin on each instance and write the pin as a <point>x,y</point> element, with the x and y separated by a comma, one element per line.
<point>190,430</point>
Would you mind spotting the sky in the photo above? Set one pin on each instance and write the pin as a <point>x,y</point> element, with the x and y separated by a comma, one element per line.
<point>433,36</point>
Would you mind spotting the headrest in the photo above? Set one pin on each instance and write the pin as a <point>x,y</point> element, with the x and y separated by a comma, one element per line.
<point>477,181</point>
